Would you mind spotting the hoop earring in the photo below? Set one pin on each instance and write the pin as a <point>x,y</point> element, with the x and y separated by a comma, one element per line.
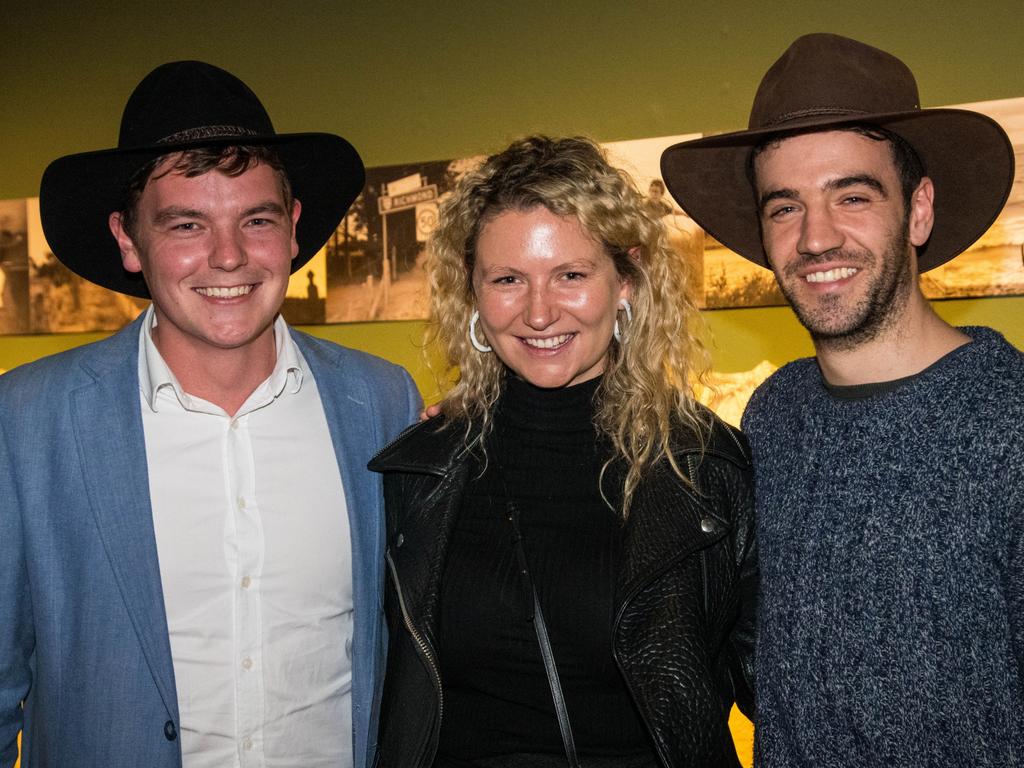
<point>477,344</point>
<point>625,307</point>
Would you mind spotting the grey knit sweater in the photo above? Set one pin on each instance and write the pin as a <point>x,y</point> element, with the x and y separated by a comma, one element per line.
<point>891,533</point>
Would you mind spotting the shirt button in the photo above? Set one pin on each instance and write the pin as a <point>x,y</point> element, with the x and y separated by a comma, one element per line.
<point>247,743</point>
<point>234,424</point>
<point>708,525</point>
<point>241,502</point>
<point>247,663</point>
<point>170,732</point>
<point>246,582</point>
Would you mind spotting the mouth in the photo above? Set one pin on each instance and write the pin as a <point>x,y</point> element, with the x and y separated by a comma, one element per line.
<point>831,275</point>
<point>551,342</point>
<point>225,292</point>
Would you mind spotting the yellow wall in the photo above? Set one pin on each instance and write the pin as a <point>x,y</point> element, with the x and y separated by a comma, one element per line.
<point>739,338</point>
<point>409,82</point>
<point>420,81</point>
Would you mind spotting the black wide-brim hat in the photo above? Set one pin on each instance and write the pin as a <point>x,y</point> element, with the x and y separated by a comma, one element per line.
<point>825,80</point>
<point>178,106</point>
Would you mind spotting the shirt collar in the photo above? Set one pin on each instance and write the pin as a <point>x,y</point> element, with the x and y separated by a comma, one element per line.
<point>155,375</point>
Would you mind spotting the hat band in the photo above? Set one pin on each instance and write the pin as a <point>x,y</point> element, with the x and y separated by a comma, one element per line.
<point>800,114</point>
<point>207,132</point>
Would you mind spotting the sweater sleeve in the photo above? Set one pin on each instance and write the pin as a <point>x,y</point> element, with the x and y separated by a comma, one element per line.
<point>1015,570</point>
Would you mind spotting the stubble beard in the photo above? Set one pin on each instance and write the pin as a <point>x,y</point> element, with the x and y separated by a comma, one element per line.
<point>837,325</point>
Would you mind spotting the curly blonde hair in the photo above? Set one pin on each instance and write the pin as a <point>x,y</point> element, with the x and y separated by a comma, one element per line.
<point>645,389</point>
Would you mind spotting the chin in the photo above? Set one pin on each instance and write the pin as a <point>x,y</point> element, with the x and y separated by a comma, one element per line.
<point>543,379</point>
<point>554,379</point>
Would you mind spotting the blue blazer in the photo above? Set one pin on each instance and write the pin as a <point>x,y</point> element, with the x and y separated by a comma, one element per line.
<point>83,633</point>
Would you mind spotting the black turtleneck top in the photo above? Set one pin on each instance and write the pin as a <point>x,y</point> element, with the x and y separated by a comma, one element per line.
<point>498,709</point>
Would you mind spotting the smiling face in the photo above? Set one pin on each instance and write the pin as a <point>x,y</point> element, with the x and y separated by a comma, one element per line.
<point>216,252</point>
<point>548,294</point>
<point>837,233</point>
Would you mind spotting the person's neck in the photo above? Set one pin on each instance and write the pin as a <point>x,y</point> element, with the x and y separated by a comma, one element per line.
<point>224,377</point>
<point>910,343</point>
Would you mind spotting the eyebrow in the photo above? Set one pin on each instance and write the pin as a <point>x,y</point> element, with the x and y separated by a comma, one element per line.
<point>268,206</point>
<point>832,185</point>
<point>580,264</point>
<point>180,212</point>
<point>853,181</point>
<point>176,212</point>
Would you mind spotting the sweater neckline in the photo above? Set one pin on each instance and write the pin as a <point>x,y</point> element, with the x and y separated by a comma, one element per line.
<point>853,392</point>
<point>537,408</point>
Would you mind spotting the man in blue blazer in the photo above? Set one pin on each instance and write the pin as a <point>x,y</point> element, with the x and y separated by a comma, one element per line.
<point>190,544</point>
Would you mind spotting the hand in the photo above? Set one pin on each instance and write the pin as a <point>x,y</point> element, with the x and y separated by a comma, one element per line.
<point>430,412</point>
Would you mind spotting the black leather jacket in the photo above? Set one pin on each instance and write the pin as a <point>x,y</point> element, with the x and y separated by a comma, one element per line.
<point>684,628</point>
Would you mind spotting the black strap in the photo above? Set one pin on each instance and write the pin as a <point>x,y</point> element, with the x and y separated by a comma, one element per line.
<point>537,617</point>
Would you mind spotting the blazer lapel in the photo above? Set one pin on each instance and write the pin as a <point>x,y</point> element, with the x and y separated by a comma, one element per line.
<point>355,432</point>
<point>347,405</point>
<point>108,433</point>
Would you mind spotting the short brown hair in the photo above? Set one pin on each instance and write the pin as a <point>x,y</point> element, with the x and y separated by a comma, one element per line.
<point>909,167</point>
<point>232,160</point>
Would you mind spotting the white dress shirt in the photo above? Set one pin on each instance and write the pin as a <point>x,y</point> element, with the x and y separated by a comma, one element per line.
<point>255,560</point>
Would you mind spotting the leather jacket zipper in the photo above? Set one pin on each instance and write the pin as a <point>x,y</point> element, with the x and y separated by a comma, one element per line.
<point>691,463</point>
<point>682,555</point>
<point>425,651</point>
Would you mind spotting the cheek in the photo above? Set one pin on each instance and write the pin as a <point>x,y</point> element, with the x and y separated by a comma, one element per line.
<point>778,248</point>
<point>496,310</point>
<point>278,244</point>
<point>771,236</point>
<point>494,314</point>
<point>178,257</point>
<point>166,269</point>
<point>598,305</point>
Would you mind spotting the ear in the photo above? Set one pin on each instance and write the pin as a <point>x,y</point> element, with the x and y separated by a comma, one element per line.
<point>296,212</point>
<point>626,290</point>
<point>922,213</point>
<point>625,284</point>
<point>129,252</point>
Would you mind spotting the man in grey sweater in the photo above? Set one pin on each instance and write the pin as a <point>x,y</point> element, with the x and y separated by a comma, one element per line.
<point>890,467</point>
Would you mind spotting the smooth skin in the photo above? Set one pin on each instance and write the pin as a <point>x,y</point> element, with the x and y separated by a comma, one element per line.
<point>216,252</point>
<point>548,294</point>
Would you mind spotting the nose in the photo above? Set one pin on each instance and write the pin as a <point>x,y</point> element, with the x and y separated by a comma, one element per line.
<point>540,310</point>
<point>227,252</point>
<point>818,232</point>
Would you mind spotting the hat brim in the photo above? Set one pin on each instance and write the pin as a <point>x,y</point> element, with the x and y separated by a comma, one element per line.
<point>79,192</point>
<point>967,155</point>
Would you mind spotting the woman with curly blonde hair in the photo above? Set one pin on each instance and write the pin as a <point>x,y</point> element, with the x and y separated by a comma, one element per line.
<point>570,543</point>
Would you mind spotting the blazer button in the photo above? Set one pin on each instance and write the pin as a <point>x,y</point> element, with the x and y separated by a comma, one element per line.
<point>170,733</point>
<point>708,525</point>
<point>400,540</point>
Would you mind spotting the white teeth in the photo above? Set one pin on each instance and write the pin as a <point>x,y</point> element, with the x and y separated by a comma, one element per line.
<point>550,343</point>
<point>225,293</point>
<point>832,275</point>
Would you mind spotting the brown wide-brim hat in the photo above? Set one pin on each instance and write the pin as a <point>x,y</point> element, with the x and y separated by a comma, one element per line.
<point>825,80</point>
<point>178,106</point>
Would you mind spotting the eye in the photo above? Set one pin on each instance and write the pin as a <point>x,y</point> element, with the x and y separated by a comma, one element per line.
<point>855,200</point>
<point>504,280</point>
<point>186,226</point>
<point>575,275</point>
<point>780,211</point>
